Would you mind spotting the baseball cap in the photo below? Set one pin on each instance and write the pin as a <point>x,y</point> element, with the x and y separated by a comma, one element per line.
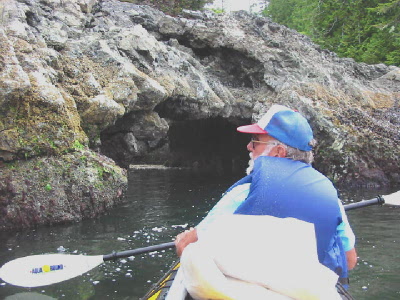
<point>284,124</point>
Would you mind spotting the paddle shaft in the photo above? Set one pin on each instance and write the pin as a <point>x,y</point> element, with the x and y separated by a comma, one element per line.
<point>138,251</point>
<point>127,253</point>
<point>364,203</point>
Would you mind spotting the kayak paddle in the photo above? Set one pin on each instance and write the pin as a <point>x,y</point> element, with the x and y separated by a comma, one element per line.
<point>392,199</point>
<point>46,269</point>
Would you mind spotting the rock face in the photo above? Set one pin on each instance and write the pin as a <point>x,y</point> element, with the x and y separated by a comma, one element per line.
<point>142,87</point>
<point>48,190</point>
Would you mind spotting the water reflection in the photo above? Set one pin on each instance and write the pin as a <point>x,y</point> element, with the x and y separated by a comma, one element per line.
<point>160,204</point>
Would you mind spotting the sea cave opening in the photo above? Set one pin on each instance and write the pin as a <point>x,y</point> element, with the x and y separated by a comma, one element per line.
<point>210,145</point>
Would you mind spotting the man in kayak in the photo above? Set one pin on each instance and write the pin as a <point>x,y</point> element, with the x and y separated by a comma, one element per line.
<point>282,183</point>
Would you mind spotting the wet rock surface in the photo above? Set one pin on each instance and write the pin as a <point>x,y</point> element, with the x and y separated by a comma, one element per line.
<point>66,188</point>
<point>139,86</point>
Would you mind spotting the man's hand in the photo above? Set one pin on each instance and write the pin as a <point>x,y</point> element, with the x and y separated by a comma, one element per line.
<point>185,238</point>
<point>351,256</point>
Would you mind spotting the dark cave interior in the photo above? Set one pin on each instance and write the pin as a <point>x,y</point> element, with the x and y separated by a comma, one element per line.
<point>207,145</point>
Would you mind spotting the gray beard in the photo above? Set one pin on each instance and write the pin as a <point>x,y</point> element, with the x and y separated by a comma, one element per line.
<point>251,165</point>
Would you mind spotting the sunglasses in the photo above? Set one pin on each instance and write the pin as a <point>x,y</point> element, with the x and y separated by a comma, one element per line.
<point>253,143</point>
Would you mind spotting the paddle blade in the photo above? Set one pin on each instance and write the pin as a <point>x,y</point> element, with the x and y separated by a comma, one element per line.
<point>392,199</point>
<point>40,270</point>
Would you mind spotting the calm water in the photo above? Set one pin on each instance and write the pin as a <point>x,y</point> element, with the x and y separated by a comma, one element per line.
<point>161,204</point>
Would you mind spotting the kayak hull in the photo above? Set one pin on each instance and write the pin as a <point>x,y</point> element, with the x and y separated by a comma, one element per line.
<point>171,287</point>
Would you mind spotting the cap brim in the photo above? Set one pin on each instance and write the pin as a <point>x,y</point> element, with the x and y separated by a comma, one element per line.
<point>253,129</point>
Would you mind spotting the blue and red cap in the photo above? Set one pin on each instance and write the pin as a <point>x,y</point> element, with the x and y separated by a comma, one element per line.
<point>285,125</point>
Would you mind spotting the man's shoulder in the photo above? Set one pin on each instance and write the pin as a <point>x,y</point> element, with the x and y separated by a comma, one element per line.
<point>244,180</point>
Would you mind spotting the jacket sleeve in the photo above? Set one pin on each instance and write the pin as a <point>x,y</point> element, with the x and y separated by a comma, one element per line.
<point>344,230</point>
<point>229,202</point>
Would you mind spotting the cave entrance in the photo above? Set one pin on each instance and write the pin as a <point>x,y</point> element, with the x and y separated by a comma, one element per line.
<point>209,145</point>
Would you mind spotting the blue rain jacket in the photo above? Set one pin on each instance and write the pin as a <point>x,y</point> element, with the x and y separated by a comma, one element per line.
<point>281,187</point>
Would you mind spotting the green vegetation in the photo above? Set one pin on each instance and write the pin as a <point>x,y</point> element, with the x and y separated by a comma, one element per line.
<point>48,187</point>
<point>10,165</point>
<point>104,172</point>
<point>218,10</point>
<point>366,30</point>
<point>173,7</point>
<point>78,146</point>
<point>51,144</point>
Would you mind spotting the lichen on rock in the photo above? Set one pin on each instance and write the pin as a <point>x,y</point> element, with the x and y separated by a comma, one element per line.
<point>58,189</point>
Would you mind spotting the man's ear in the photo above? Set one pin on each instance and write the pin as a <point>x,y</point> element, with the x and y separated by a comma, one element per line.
<point>281,151</point>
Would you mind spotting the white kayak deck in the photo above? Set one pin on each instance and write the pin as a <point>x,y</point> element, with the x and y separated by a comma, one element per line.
<point>177,290</point>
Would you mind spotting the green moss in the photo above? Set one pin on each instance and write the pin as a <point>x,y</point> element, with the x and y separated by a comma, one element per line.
<point>218,10</point>
<point>36,128</point>
<point>78,146</point>
<point>48,187</point>
<point>10,165</point>
<point>100,171</point>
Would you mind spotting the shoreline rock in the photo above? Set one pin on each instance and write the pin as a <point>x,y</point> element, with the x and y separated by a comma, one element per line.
<point>54,190</point>
<point>142,87</point>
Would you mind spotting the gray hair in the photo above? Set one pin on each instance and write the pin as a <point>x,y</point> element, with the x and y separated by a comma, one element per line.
<point>296,154</point>
<point>304,156</point>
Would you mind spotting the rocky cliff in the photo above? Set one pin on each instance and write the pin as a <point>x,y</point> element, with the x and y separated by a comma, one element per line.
<point>84,83</point>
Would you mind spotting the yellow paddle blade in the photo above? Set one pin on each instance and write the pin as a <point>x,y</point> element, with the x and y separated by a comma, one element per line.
<point>40,270</point>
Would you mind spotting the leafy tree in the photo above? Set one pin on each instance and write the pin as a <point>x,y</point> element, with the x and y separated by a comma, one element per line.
<point>390,10</point>
<point>367,30</point>
<point>281,11</point>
